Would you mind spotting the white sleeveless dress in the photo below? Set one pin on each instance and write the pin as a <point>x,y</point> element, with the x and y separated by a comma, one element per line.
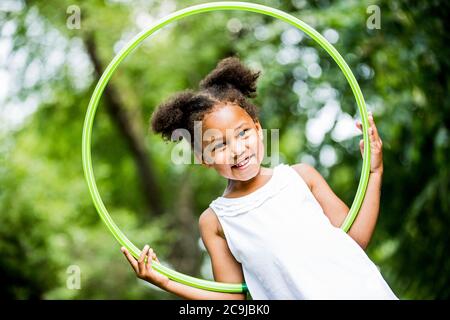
<point>289,249</point>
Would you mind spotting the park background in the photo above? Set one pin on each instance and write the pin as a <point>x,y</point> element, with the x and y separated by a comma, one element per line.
<point>50,63</point>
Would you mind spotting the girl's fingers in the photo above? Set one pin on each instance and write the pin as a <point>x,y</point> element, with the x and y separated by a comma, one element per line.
<point>149,258</point>
<point>373,126</point>
<point>130,259</point>
<point>373,131</point>
<point>371,134</point>
<point>370,131</point>
<point>361,147</point>
<point>154,255</point>
<point>141,261</point>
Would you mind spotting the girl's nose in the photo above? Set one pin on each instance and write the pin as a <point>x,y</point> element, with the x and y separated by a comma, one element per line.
<point>238,150</point>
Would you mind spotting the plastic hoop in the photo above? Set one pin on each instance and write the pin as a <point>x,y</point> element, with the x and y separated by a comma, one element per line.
<point>131,45</point>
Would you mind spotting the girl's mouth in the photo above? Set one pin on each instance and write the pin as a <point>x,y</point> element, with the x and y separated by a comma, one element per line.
<point>243,164</point>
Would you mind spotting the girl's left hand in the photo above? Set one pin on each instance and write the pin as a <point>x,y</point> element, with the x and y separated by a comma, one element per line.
<point>376,146</point>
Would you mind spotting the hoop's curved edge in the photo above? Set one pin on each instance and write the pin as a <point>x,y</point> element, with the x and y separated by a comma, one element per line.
<point>131,45</point>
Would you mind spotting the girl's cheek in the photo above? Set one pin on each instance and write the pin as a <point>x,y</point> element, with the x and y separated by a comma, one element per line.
<point>256,146</point>
<point>221,158</point>
<point>260,150</point>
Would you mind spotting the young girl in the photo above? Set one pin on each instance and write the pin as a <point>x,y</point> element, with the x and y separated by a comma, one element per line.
<point>276,229</point>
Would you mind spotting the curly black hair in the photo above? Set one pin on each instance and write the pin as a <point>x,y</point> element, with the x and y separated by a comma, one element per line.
<point>230,82</point>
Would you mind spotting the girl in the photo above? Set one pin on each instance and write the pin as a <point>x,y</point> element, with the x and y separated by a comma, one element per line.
<point>275,229</point>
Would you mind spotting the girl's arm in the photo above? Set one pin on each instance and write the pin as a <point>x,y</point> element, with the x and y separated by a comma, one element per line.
<point>335,209</point>
<point>225,267</point>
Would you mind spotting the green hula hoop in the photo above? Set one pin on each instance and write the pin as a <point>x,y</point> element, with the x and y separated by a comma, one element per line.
<point>131,45</point>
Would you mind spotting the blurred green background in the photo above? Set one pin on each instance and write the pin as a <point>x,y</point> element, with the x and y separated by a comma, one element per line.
<point>49,66</point>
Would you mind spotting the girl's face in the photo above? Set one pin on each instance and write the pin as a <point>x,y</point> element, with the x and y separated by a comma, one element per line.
<point>232,142</point>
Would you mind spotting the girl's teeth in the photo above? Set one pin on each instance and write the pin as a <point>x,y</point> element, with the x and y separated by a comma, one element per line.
<point>243,163</point>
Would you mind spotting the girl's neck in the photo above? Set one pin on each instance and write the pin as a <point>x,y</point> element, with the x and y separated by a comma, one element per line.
<point>239,188</point>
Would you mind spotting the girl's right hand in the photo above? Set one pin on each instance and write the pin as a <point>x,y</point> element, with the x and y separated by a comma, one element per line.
<point>144,270</point>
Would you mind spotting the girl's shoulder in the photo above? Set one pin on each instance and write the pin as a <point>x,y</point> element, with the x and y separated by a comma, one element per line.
<point>307,172</point>
<point>209,223</point>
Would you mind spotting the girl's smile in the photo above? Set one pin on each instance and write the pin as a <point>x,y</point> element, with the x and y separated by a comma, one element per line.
<point>242,165</point>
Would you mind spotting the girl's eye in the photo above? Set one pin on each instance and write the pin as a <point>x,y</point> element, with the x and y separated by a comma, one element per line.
<point>221,145</point>
<point>218,146</point>
<point>243,132</point>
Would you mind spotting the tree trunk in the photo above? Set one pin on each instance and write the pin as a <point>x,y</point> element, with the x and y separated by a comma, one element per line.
<point>114,107</point>
<point>186,254</point>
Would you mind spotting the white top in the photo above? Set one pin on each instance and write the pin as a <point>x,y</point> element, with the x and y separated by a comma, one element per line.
<point>288,247</point>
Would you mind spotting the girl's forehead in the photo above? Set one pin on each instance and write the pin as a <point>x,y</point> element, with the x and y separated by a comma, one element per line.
<point>228,116</point>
